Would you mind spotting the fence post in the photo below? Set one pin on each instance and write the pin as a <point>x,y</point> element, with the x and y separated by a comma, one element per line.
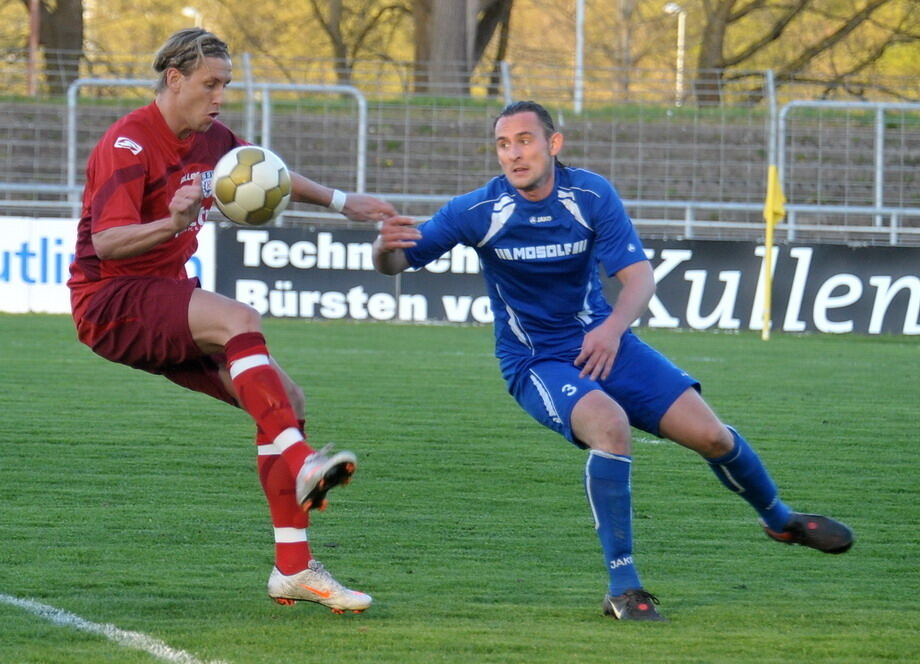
<point>879,161</point>
<point>266,139</point>
<point>579,91</point>
<point>772,131</point>
<point>249,122</point>
<point>506,81</point>
<point>72,145</point>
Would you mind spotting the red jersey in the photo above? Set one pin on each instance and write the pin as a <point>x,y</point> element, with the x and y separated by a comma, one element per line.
<point>131,177</point>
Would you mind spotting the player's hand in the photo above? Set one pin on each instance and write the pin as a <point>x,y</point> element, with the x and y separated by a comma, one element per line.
<point>396,233</point>
<point>363,207</point>
<point>186,203</point>
<point>598,352</point>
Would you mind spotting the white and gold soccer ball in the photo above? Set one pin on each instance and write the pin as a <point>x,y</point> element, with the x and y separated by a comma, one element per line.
<point>251,185</point>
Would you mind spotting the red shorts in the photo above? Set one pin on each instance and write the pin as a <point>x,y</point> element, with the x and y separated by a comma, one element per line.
<point>143,322</point>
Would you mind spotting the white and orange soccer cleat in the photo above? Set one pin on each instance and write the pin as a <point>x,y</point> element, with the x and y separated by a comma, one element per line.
<point>315,584</point>
<point>320,472</point>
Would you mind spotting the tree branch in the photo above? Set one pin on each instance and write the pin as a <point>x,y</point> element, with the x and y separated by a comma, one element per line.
<point>832,39</point>
<point>775,33</point>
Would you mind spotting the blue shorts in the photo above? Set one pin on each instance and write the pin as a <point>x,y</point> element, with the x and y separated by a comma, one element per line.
<point>643,382</point>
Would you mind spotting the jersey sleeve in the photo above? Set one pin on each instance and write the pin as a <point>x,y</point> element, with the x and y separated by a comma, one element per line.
<point>119,175</point>
<point>617,243</point>
<point>440,234</point>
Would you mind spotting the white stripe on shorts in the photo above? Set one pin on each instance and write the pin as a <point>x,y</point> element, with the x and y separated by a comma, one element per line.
<point>268,449</point>
<point>246,363</point>
<point>290,535</point>
<point>548,403</point>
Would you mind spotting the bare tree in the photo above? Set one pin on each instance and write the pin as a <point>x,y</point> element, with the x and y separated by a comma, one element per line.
<point>839,21</point>
<point>354,29</point>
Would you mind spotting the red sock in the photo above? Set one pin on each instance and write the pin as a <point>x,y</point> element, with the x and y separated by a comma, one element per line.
<point>292,546</point>
<point>261,393</point>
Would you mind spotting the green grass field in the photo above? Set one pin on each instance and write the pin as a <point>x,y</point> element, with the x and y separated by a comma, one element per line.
<point>129,502</point>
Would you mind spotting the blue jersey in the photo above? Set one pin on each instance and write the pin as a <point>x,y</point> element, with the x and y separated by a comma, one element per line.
<point>539,259</point>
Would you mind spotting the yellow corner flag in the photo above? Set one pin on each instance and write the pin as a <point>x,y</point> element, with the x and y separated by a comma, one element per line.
<point>774,209</point>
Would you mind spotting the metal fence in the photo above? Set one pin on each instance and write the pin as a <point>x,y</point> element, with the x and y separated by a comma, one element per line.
<point>684,171</point>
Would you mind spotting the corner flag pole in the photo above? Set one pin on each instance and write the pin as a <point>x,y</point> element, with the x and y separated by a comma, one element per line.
<point>774,209</point>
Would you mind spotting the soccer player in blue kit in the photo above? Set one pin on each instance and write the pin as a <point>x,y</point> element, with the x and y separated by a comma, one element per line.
<point>569,358</point>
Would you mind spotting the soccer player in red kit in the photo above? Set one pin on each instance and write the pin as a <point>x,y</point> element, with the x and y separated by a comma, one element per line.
<point>147,194</point>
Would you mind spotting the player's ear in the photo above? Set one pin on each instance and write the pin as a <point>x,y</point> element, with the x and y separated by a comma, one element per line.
<point>173,79</point>
<point>556,142</point>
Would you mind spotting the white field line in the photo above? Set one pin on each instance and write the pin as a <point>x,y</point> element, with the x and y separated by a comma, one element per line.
<point>122,637</point>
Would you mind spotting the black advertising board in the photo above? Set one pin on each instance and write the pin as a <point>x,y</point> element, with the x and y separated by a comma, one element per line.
<point>328,274</point>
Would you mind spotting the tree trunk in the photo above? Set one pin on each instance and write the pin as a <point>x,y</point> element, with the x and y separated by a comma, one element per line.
<point>711,61</point>
<point>451,37</point>
<point>449,63</point>
<point>502,52</point>
<point>61,36</point>
<point>339,47</point>
<point>624,47</point>
<point>421,16</point>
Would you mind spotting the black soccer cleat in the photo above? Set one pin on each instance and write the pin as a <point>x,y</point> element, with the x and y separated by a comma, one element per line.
<point>815,531</point>
<point>636,604</point>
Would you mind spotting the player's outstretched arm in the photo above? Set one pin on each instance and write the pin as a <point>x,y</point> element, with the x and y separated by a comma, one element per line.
<point>395,235</point>
<point>357,207</point>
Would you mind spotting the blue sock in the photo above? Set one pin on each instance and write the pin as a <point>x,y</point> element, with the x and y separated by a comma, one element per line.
<point>742,472</point>
<point>610,496</point>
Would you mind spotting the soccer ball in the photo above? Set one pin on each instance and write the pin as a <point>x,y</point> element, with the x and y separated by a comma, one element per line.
<point>252,185</point>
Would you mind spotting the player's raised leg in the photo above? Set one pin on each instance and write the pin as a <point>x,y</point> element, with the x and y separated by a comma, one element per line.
<point>690,422</point>
<point>219,323</point>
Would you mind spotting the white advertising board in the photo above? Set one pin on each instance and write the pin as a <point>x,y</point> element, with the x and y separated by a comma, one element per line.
<point>35,257</point>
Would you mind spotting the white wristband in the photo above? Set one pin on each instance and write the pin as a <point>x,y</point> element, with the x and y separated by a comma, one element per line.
<point>338,200</point>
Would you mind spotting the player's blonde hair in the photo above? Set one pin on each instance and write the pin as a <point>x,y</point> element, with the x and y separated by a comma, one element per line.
<point>185,51</point>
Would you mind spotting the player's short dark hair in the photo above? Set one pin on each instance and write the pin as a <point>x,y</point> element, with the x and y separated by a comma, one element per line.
<point>524,107</point>
<point>185,50</point>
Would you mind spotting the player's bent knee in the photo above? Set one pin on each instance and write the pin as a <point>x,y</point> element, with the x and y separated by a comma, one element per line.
<point>715,441</point>
<point>214,319</point>
<point>600,423</point>
<point>613,440</point>
<point>239,318</point>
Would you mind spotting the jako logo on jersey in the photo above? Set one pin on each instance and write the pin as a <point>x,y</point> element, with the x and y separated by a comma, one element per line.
<point>569,389</point>
<point>128,144</point>
<point>542,251</point>
<point>621,562</point>
<point>540,220</point>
